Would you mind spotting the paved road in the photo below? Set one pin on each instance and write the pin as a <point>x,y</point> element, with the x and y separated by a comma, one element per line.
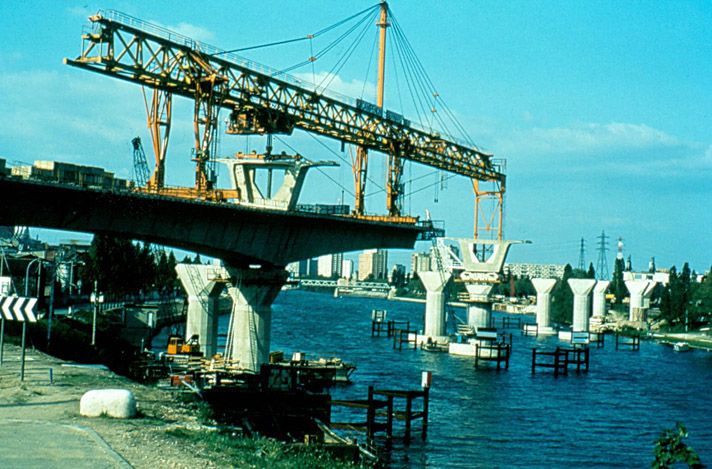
<point>36,444</point>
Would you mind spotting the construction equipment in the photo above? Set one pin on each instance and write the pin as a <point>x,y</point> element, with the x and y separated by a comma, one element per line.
<point>141,172</point>
<point>261,100</point>
<point>179,346</point>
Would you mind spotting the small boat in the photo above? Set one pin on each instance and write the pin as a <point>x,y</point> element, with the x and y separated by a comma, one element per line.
<point>435,347</point>
<point>338,370</point>
<point>681,347</point>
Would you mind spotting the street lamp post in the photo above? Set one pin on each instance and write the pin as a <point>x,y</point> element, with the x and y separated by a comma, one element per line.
<point>96,298</point>
<point>24,323</point>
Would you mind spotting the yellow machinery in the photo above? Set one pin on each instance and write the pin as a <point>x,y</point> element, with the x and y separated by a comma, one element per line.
<point>179,346</point>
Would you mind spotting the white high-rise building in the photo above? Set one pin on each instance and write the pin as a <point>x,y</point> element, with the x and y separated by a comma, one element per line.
<point>373,262</point>
<point>330,265</point>
<point>347,268</point>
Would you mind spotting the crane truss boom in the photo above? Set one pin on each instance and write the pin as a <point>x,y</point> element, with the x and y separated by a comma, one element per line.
<point>261,102</point>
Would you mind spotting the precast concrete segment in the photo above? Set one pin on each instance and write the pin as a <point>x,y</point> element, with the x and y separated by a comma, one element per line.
<point>581,287</point>
<point>599,298</point>
<point>252,291</point>
<point>236,234</point>
<point>203,285</point>
<point>479,309</point>
<point>543,287</point>
<point>637,289</point>
<point>434,283</point>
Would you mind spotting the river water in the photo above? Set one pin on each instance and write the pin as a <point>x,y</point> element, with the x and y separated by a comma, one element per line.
<point>608,417</point>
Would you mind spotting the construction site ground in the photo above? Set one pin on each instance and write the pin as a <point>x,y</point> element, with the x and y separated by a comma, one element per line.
<point>40,425</point>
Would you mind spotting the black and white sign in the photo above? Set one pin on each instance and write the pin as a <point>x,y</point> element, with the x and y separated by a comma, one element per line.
<point>18,308</point>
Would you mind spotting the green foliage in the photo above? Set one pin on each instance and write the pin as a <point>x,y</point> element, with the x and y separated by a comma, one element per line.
<point>701,299</point>
<point>262,452</point>
<point>562,298</point>
<point>121,267</point>
<point>683,301</point>
<point>618,287</point>
<point>670,449</point>
<point>591,273</point>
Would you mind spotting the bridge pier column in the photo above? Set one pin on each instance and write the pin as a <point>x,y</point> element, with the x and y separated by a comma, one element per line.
<point>479,308</point>
<point>434,283</point>
<point>581,287</point>
<point>639,290</point>
<point>203,292</point>
<point>599,300</point>
<point>252,291</point>
<point>543,287</point>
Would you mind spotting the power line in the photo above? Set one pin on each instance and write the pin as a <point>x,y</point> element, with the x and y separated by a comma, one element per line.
<point>602,264</point>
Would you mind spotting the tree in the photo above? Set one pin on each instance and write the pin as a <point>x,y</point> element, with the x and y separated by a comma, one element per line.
<point>562,299</point>
<point>670,449</point>
<point>700,306</point>
<point>618,287</point>
<point>591,271</point>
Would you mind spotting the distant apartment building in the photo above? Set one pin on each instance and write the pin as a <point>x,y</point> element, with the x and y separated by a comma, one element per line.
<point>69,173</point>
<point>535,270</point>
<point>420,262</point>
<point>293,269</point>
<point>373,262</point>
<point>347,268</point>
<point>330,265</point>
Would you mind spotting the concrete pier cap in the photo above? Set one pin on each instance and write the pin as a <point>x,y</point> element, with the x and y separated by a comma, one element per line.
<point>543,287</point>
<point>599,298</point>
<point>581,287</point>
<point>434,283</point>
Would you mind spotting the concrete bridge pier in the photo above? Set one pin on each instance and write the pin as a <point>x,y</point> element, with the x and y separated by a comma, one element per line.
<point>252,291</point>
<point>479,306</point>
<point>638,290</point>
<point>203,290</point>
<point>543,287</point>
<point>581,287</point>
<point>434,283</point>
<point>599,300</point>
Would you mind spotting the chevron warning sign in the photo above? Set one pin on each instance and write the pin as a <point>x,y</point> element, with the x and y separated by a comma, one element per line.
<point>18,308</point>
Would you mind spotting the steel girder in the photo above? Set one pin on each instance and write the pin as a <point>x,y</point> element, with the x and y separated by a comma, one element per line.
<point>129,53</point>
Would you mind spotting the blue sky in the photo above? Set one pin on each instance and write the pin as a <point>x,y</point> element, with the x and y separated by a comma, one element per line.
<point>602,109</point>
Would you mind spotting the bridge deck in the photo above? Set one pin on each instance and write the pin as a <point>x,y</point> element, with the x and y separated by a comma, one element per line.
<point>238,235</point>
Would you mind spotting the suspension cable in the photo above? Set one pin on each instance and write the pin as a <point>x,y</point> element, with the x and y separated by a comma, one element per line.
<point>341,186</point>
<point>301,38</point>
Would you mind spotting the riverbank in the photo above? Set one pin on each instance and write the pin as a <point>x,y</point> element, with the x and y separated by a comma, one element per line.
<point>167,432</point>
<point>698,340</point>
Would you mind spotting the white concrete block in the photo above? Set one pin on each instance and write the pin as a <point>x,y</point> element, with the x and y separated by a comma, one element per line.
<point>117,403</point>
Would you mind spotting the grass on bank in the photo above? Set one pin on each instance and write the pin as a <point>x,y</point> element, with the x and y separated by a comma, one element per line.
<point>261,453</point>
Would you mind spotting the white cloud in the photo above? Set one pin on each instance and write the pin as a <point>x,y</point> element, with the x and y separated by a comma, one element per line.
<point>190,30</point>
<point>586,138</point>
<point>352,89</point>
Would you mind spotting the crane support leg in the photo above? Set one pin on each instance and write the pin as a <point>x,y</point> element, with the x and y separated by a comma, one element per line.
<point>360,170</point>
<point>393,187</point>
<point>159,124</point>
<point>489,210</point>
<point>205,127</point>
